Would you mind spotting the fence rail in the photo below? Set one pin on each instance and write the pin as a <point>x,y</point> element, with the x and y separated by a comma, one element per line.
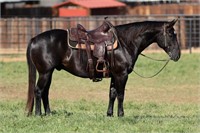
<point>15,33</point>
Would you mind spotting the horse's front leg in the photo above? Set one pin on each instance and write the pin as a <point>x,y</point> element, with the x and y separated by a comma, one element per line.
<point>112,97</point>
<point>120,83</point>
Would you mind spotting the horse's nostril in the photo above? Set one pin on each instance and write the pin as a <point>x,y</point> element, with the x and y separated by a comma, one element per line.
<point>177,58</point>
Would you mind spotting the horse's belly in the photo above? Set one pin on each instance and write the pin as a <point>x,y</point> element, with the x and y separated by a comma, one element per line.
<point>76,69</point>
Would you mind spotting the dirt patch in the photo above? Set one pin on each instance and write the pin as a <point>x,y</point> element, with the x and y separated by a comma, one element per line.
<point>22,52</point>
<point>12,51</point>
<point>16,59</point>
<point>133,95</point>
<point>12,55</point>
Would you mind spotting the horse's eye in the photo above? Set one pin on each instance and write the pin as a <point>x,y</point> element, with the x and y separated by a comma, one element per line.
<point>175,32</point>
<point>172,33</point>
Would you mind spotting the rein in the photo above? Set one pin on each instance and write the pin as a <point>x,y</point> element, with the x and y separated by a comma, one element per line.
<point>166,62</point>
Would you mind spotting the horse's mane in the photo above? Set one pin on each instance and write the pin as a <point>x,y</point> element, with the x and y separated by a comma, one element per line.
<point>134,29</point>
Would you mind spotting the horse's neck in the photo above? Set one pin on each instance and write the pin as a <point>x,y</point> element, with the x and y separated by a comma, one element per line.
<point>140,41</point>
<point>147,38</point>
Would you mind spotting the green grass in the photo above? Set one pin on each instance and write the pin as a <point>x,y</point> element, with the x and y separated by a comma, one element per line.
<point>167,103</point>
<point>87,116</point>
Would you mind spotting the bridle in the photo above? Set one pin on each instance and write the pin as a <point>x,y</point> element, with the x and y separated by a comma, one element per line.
<point>165,34</point>
<point>160,60</point>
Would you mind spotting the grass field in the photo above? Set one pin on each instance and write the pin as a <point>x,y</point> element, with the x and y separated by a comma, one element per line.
<point>166,103</point>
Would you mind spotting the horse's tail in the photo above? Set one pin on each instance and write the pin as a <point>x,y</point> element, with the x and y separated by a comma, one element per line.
<point>31,81</point>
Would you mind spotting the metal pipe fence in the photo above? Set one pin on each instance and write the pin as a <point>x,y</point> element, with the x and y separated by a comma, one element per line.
<point>15,33</point>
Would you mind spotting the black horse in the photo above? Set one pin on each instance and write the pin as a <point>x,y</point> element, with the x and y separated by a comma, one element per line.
<point>49,51</point>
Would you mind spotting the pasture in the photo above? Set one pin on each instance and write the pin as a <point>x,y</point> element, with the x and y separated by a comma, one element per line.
<point>168,102</point>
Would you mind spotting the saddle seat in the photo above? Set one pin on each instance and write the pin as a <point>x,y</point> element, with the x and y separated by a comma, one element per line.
<point>96,36</point>
<point>98,39</point>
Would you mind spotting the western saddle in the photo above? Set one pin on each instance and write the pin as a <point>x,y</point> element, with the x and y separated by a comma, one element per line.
<point>99,38</point>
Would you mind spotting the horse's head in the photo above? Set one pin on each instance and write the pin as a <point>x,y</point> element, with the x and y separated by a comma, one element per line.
<point>167,40</point>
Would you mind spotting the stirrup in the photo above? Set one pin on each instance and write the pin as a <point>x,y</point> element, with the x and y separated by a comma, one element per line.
<point>97,79</point>
<point>104,66</point>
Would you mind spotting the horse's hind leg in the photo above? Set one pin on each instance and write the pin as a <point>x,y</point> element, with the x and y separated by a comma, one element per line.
<point>45,95</point>
<point>43,81</point>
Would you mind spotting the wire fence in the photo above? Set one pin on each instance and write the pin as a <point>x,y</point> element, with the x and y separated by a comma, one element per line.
<point>15,33</point>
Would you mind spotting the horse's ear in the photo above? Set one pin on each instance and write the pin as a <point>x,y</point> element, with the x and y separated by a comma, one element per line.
<point>172,23</point>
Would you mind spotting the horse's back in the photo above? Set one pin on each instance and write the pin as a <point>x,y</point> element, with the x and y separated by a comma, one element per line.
<point>48,48</point>
<point>51,36</point>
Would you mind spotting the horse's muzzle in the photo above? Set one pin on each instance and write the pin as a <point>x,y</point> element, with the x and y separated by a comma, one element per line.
<point>175,55</point>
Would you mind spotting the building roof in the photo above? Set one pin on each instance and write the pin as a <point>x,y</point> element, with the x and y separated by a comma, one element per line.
<point>91,4</point>
<point>16,1</point>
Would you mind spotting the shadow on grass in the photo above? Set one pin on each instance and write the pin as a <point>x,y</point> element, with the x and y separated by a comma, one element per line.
<point>61,112</point>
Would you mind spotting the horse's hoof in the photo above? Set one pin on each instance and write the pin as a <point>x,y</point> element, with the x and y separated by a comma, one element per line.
<point>120,114</point>
<point>48,112</point>
<point>110,114</point>
<point>38,113</point>
<point>28,114</point>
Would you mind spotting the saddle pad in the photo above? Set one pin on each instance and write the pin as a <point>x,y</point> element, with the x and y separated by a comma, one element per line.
<point>75,45</point>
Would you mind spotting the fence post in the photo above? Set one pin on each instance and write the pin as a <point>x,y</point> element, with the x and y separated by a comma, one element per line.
<point>190,36</point>
<point>18,33</point>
